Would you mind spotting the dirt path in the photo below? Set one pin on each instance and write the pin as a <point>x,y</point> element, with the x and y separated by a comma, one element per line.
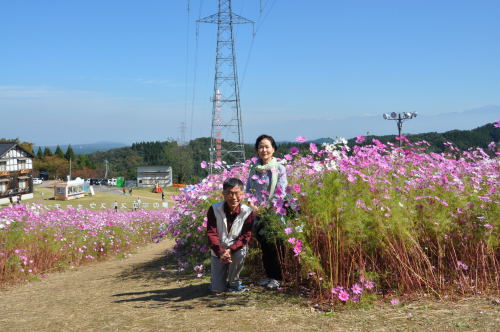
<point>134,294</point>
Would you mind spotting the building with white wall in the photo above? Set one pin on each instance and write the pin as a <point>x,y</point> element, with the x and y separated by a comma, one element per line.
<point>149,176</point>
<point>16,173</point>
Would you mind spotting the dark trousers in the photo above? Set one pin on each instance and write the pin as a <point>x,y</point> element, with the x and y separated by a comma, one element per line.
<point>272,253</point>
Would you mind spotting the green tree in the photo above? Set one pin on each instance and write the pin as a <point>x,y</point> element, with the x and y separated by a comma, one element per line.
<point>39,153</point>
<point>59,152</point>
<point>47,152</point>
<point>70,154</point>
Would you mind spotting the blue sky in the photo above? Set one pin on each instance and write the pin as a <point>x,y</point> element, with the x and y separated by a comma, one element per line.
<point>124,70</point>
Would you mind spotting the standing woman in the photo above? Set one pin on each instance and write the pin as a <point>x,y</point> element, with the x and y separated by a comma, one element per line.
<point>266,181</point>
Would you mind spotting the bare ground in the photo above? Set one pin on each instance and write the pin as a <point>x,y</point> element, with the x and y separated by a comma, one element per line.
<point>134,294</point>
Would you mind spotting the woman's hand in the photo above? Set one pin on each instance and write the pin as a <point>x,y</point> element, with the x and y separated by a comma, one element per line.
<point>256,209</point>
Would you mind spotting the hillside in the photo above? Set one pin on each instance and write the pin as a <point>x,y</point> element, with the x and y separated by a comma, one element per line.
<point>185,160</point>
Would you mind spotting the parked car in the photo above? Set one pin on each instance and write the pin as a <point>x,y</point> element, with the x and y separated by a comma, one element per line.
<point>37,181</point>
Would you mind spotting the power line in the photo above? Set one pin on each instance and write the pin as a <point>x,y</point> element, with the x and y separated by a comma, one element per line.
<point>195,73</point>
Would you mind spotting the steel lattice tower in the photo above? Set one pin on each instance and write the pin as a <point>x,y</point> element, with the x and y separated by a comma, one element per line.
<point>227,131</point>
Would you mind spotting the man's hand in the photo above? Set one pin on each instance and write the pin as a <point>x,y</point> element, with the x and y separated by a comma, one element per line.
<point>225,258</point>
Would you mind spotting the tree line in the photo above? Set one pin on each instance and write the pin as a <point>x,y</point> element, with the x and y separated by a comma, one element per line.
<point>185,159</point>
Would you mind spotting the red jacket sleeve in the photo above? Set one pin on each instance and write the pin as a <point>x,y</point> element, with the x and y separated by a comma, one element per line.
<point>212,235</point>
<point>246,234</point>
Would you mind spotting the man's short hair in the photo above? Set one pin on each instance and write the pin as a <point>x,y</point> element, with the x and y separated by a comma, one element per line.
<point>231,183</point>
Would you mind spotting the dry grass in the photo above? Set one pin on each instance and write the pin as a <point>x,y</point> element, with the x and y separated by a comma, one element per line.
<point>133,294</point>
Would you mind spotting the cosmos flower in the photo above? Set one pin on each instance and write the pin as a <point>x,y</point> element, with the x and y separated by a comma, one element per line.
<point>300,139</point>
<point>343,296</point>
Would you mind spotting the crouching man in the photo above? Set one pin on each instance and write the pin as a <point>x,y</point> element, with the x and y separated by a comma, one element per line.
<point>229,229</point>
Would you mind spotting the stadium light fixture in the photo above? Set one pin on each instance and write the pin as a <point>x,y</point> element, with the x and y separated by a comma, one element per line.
<point>399,117</point>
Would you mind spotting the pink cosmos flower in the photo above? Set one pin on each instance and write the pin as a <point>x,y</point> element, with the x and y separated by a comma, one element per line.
<point>395,301</point>
<point>357,289</point>
<point>294,150</point>
<point>288,157</point>
<point>296,187</point>
<point>297,249</point>
<point>360,139</point>
<point>313,148</point>
<point>369,284</point>
<point>343,295</point>
<point>288,230</point>
<point>300,139</point>
<point>199,275</point>
<point>462,266</point>
<point>291,240</point>
<point>203,164</point>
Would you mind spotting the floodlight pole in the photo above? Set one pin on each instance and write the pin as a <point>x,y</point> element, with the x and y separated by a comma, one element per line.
<point>400,117</point>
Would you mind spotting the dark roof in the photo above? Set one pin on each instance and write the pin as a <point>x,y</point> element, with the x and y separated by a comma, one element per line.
<point>4,147</point>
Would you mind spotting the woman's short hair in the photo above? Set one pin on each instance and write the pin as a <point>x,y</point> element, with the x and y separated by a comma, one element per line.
<point>231,183</point>
<point>269,138</point>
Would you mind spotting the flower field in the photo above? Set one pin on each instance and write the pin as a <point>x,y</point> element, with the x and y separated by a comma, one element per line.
<point>379,219</point>
<point>34,241</point>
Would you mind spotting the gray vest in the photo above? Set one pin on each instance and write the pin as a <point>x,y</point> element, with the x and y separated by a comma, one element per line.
<point>226,238</point>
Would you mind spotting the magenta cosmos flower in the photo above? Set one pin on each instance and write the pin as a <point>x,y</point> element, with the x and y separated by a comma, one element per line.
<point>343,296</point>
<point>360,139</point>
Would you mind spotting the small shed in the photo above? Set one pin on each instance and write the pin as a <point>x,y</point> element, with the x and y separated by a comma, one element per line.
<point>150,176</point>
<point>69,190</point>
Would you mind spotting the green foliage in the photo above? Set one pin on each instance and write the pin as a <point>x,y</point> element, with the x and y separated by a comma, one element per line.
<point>59,152</point>
<point>47,152</point>
<point>70,154</point>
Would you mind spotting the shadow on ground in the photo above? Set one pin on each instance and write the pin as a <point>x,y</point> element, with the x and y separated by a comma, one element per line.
<point>162,267</point>
<point>185,297</point>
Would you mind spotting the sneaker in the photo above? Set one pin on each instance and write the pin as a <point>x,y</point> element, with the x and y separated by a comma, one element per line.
<point>237,289</point>
<point>273,284</point>
<point>264,282</point>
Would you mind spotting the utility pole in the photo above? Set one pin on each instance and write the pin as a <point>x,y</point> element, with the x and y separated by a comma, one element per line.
<point>226,143</point>
<point>106,171</point>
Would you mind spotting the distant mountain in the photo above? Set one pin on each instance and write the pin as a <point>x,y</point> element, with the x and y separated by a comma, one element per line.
<point>355,125</point>
<point>86,148</point>
<point>463,139</point>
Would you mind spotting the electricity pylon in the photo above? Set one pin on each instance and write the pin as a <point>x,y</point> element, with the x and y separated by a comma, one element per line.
<point>227,131</point>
